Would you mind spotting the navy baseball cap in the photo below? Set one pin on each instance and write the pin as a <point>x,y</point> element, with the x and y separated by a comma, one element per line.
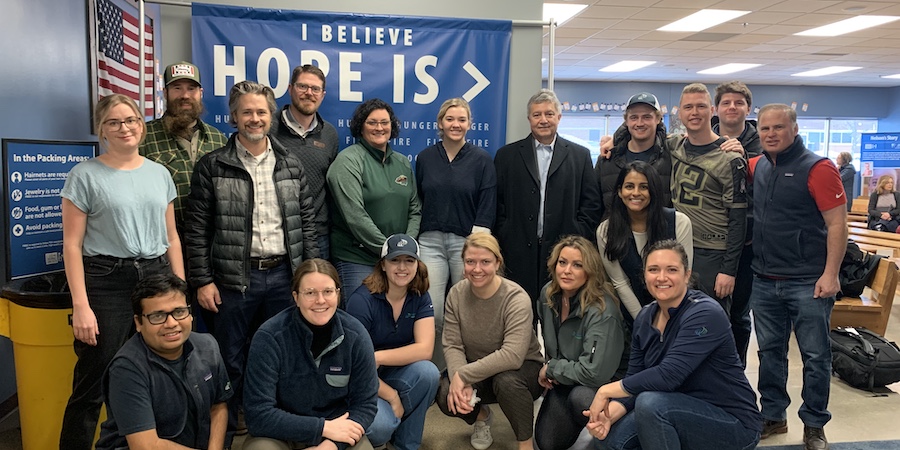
<point>398,245</point>
<point>645,98</point>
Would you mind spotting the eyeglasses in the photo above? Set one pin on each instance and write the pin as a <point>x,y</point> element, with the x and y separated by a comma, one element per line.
<point>159,318</point>
<point>313,295</point>
<point>302,87</point>
<point>375,123</point>
<point>116,125</point>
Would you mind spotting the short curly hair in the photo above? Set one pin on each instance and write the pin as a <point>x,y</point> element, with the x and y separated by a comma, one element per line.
<point>362,113</point>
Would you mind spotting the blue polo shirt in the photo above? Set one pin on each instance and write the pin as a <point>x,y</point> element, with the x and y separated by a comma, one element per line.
<point>377,316</point>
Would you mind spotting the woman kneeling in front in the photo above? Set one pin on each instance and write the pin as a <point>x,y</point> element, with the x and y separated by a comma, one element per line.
<point>394,306</point>
<point>492,353</point>
<point>685,386</point>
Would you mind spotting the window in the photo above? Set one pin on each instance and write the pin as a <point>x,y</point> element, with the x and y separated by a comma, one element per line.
<point>825,137</point>
<point>843,135</point>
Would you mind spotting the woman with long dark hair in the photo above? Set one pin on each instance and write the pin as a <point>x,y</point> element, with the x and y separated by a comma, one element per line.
<point>638,219</point>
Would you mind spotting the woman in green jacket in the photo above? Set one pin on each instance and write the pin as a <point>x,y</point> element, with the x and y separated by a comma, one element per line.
<point>584,339</point>
<point>373,192</point>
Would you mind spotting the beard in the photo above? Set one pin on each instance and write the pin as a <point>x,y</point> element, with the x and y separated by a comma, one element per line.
<point>306,108</point>
<point>180,121</point>
<point>251,136</point>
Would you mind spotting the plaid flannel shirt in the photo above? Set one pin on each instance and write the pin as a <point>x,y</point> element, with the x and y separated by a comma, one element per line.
<point>163,147</point>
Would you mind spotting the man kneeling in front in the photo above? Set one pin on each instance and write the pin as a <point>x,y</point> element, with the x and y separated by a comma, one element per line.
<point>165,386</point>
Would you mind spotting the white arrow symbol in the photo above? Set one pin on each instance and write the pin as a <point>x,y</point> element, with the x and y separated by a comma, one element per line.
<point>481,81</point>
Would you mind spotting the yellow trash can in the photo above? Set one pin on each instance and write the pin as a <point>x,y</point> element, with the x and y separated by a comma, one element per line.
<point>34,314</point>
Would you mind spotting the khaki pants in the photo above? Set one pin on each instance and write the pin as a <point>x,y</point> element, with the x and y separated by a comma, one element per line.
<point>260,443</point>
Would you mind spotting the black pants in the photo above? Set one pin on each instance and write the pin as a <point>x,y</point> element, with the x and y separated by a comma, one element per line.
<point>109,282</point>
<point>514,390</point>
<point>707,264</point>
<point>560,419</point>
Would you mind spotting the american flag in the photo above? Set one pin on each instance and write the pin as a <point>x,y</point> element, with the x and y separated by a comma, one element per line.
<point>118,64</point>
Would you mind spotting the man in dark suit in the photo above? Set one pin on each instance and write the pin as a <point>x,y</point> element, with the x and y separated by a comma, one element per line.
<point>546,189</point>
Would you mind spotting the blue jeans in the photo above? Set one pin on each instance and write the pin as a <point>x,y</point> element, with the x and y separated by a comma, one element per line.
<point>672,420</point>
<point>109,282</point>
<point>779,306</point>
<point>417,384</point>
<point>268,293</point>
<point>442,254</point>
<point>352,276</point>
<point>324,247</point>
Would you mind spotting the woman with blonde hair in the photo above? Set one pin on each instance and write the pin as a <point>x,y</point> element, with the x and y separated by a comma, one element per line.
<point>492,353</point>
<point>884,206</point>
<point>458,190</point>
<point>118,228</point>
<point>584,338</point>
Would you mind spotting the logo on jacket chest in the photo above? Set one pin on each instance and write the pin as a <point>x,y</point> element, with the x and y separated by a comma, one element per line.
<point>402,180</point>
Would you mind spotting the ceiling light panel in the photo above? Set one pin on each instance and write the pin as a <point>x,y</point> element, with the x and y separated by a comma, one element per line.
<point>848,26</point>
<point>825,71</point>
<point>627,66</point>
<point>561,12</point>
<point>728,68</point>
<point>703,19</point>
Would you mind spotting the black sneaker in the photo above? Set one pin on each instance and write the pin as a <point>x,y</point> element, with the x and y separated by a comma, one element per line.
<point>771,427</point>
<point>814,439</point>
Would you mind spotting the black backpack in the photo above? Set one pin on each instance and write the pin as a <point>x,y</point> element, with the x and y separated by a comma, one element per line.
<point>857,270</point>
<point>863,358</point>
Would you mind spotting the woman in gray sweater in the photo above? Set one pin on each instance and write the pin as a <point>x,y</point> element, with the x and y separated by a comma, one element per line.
<point>492,353</point>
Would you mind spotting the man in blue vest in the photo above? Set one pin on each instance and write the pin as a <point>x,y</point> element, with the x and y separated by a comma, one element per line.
<point>165,387</point>
<point>799,239</point>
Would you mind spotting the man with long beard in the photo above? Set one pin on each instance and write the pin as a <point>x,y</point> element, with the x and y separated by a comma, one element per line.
<point>179,138</point>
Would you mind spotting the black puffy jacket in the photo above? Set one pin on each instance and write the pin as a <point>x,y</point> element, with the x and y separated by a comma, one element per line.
<point>218,229</point>
<point>607,170</point>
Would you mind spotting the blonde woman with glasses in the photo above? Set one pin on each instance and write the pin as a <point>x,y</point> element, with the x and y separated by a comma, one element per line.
<point>118,228</point>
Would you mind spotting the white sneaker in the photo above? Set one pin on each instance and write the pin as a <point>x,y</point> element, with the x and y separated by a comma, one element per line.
<point>481,438</point>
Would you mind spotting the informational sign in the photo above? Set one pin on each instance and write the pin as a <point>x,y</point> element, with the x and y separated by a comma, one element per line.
<point>412,63</point>
<point>882,149</point>
<point>34,173</point>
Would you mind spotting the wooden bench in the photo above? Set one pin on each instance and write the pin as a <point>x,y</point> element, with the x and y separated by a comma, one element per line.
<point>886,244</point>
<point>873,310</point>
<point>859,211</point>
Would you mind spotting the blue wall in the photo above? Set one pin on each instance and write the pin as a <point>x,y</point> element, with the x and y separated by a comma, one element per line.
<point>891,123</point>
<point>45,92</point>
<point>824,102</point>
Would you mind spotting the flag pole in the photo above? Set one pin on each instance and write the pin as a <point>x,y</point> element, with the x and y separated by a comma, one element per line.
<point>142,71</point>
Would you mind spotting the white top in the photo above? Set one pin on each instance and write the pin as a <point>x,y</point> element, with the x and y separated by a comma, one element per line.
<point>684,236</point>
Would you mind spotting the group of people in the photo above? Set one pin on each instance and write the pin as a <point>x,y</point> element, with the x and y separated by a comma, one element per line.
<point>333,282</point>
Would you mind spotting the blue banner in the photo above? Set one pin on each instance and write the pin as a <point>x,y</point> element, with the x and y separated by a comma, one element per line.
<point>413,63</point>
<point>882,149</point>
<point>34,174</point>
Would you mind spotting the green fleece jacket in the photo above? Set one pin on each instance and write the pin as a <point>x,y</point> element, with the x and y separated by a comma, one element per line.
<point>588,349</point>
<point>375,196</point>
